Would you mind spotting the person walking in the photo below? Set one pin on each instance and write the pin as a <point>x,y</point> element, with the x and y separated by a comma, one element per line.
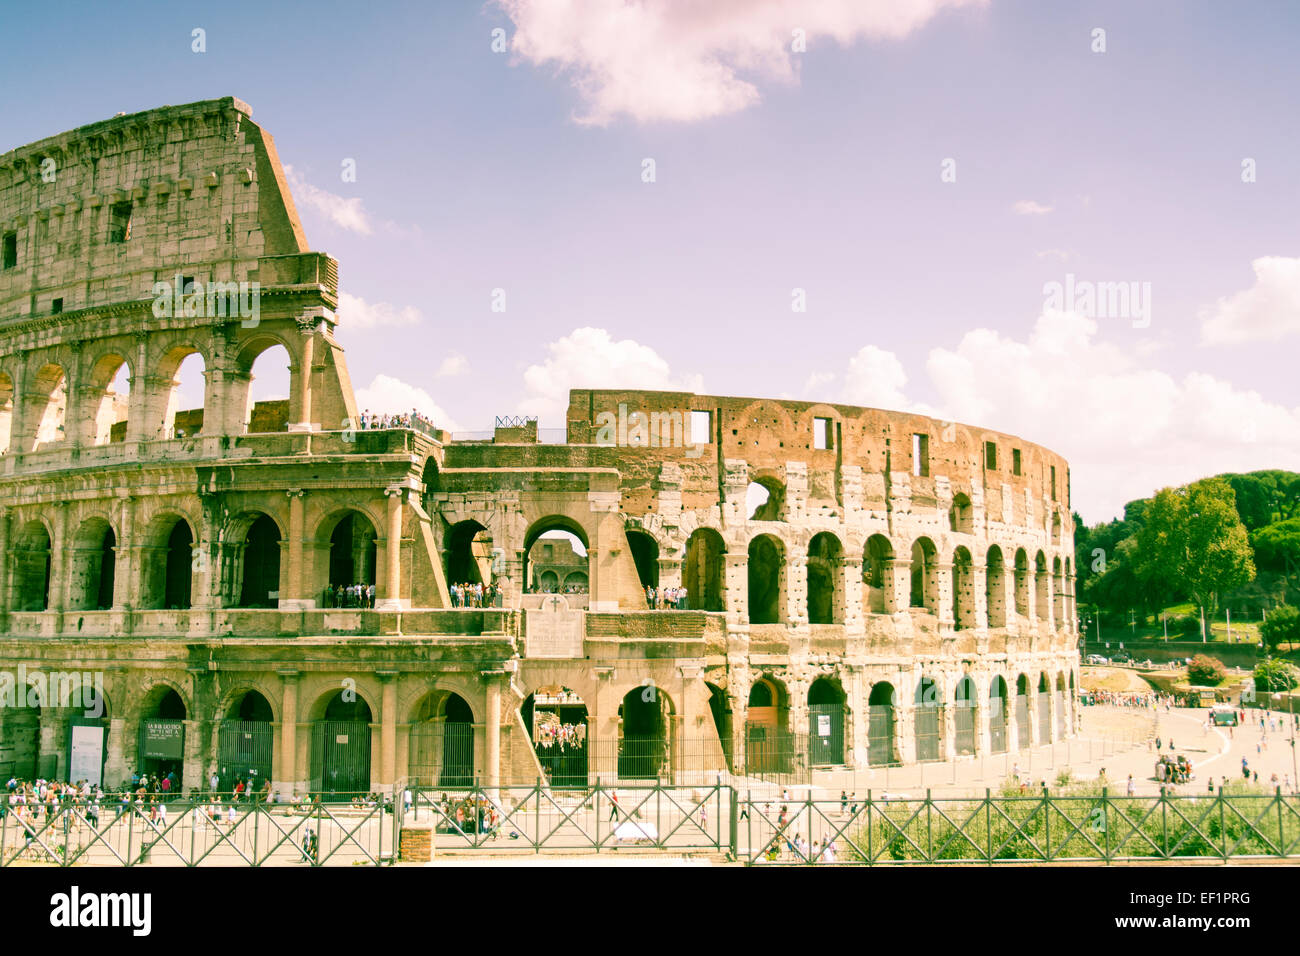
<point>613,806</point>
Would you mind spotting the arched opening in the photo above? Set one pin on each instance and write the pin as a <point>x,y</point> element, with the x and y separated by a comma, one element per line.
<point>352,551</point>
<point>765,499</point>
<point>768,744</point>
<point>20,738</point>
<point>1044,709</point>
<point>825,580</point>
<point>31,581</point>
<point>260,559</point>
<point>720,709</point>
<point>182,417</point>
<point>556,718</point>
<point>826,712</point>
<point>162,736</point>
<point>109,400</point>
<point>576,582</point>
<point>644,718</point>
<point>998,704</point>
<point>557,545</point>
<point>245,743</point>
<point>93,567</point>
<point>881,716</point>
<point>340,753</point>
<point>926,720</point>
<point>963,589</point>
<point>965,703</point>
<point>702,573</point>
<point>6,411</point>
<point>469,556</point>
<point>1062,707</point>
<point>429,478</point>
<point>645,554</point>
<point>441,741</point>
<point>167,564</point>
<point>1042,587</point>
<point>1058,593</point>
<point>1022,583</point>
<point>767,572</point>
<point>266,407</point>
<point>1024,738</point>
<point>961,517</point>
<point>877,577</point>
<point>995,591</point>
<point>48,407</point>
<point>925,575</point>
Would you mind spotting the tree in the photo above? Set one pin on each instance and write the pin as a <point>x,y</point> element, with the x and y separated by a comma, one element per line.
<point>1206,671</point>
<point>1274,675</point>
<point>1277,546</point>
<point>1194,535</point>
<point>1283,624</point>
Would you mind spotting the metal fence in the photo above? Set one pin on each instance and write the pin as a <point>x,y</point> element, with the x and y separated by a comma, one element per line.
<point>202,833</point>
<point>591,819</point>
<point>1097,828</point>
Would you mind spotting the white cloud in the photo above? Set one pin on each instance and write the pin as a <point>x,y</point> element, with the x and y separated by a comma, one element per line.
<point>1126,428</point>
<point>589,358</point>
<point>386,395</point>
<point>453,365</point>
<point>684,61</point>
<point>817,384</point>
<point>1267,311</point>
<point>356,313</point>
<point>875,379</point>
<point>1028,207</point>
<point>345,213</point>
<point>1060,255</point>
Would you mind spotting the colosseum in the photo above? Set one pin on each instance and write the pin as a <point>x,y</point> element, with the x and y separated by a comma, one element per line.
<point>851,587</point>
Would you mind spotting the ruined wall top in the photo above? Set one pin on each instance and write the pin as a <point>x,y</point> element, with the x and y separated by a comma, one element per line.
<point>96,215</point>
<point>768,434</point>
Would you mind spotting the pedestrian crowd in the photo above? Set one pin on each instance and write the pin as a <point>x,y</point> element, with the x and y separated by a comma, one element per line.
<point>411,419</point>
<point>349,595</point>
<point>475,594</point>
<point>666,599</point>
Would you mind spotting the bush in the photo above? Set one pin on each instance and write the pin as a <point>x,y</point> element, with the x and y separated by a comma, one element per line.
<point>1283,624</point>
<point>1274,675</point>
<point>1206,671</point>
<point>1185,625</point>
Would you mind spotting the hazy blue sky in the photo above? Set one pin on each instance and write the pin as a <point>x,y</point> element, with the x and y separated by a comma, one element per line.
<point>775,170</point>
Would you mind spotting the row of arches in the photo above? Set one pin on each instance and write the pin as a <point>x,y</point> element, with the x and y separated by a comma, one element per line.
<point>105,402</point>
<point>827,578</point>
<point>250,561</point>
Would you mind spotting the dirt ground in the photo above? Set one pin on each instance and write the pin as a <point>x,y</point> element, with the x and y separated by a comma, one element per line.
<point>1120,679</point>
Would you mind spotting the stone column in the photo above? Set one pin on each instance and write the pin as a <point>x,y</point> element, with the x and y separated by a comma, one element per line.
<point>848,589</point>
<point>942,599</point>
<point>387,731</point>
<point>18,420</point>
<point>979,584</point>
<point>52,758</point>
<point>296,597</point>
<point>735,572</point>
<point>796,587</point>
<point>59,560</point>
<point>391,584</point>
<point>492,727</point>
<point>125,563</point>
<point>670,573</point>
<point>6,557</point>
<point>897,584</point>
<point>288,752</point>
<point>300,376</point>
<point>138,404</point>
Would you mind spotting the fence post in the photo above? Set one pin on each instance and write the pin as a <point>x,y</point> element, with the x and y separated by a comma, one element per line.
<point>537,817</point>
<point>929,829</point>
<point>988,824</point>
<point>1281,831</point>
<point>1223,829</point>
<point>735,822</point>
<point>1105,823</point>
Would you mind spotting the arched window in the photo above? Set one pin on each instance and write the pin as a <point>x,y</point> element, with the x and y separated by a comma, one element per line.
<point>766,580</point>
<point>825,580</point>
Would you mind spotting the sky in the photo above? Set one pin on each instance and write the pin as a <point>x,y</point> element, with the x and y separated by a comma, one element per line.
<point>902,205</point>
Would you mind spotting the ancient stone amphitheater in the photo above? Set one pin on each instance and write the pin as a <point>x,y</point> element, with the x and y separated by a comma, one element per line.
<point>862,587</point>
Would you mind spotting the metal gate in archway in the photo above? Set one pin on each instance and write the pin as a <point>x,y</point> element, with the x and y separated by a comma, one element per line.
<point>880,734</point>
<point>1060,714</point>
<point>825,735</point>
<point>964,727</point>
<point>1044,717</point>
<point>340,757</point>
<point>997,725</point>
<point>441,754</point>
<point>927,733</point>
<point>1023,736</point>
<point>245,746</point>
